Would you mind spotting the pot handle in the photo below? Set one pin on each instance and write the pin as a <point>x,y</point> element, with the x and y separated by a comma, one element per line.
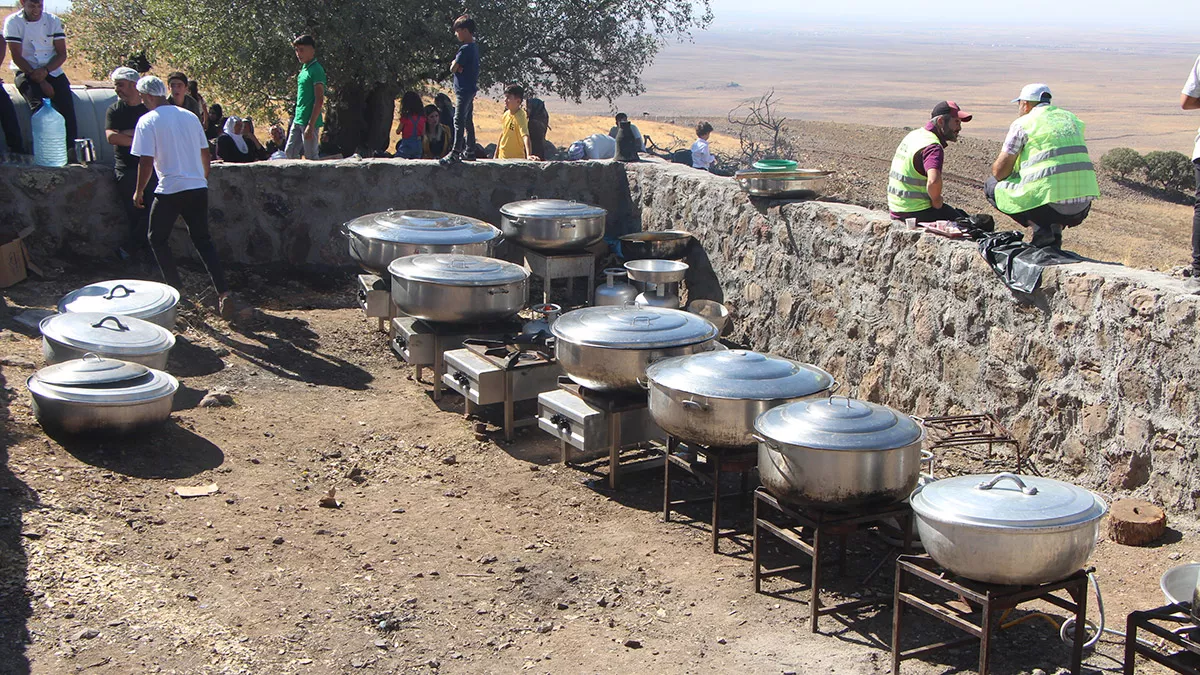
<point>692,404</point>
<point>120,326</point>
<point>563,226</point>
<point>92,356</point>
<point>847,399</point>
<point>123,287</point>
<point>644,383</point>
<point>765,441</point>
<point>497,291</point>
<point>1025,489</point>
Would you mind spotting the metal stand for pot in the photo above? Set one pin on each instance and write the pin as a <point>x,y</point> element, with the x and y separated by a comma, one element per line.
<point>991,599</point>
<point>808,531</point>
<point>569,266</point>
<point>707,465</point>
<point>1184,641</point>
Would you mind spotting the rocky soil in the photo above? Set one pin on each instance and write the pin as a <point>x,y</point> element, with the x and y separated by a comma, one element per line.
<point>444,553</point>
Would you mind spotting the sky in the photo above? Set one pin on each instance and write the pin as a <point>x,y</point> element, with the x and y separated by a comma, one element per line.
<point>1168,14</point>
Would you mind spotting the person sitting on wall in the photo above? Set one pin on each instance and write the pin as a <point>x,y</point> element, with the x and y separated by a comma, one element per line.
<point>216,122</point>
<point>238,144</point>
<point>1043,177</point>
<point>411,127</point>
<point>622,117</point>
<point>278,142</point>
<point>915,179</point>
<point>438,137</point>
<point>37,43</point>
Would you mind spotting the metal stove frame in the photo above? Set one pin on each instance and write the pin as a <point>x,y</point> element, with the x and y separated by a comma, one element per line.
<point>375,300</point>
<point>991,599</point>
<point>567,265</point>
<point>448,337</point>
<point>820,525</point>
<point>965,431</point>
<point>716,461</point>
<point>521,372</point>
<point>1148,621</point>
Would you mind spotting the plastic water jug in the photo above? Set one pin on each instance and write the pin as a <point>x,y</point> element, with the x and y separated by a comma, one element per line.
<point>49,136</point>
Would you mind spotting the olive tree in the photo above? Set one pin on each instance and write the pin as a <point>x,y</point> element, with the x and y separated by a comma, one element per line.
<point>1169,168</point>
<point>240,50</point>
<point>1123,163</point>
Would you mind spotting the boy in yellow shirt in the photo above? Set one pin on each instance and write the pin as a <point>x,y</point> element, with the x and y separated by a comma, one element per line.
<point>514,127</point>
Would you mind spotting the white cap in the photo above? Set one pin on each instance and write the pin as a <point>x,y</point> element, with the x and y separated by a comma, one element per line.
<point>1036,92</point>
<point>124,73</point>
<point>153,86</point>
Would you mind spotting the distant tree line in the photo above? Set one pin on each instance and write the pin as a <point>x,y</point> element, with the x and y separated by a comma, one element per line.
<point>1170,170</point>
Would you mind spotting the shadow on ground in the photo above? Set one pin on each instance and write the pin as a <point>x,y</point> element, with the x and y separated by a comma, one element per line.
<point>164,451</point>
<point>15,498</point>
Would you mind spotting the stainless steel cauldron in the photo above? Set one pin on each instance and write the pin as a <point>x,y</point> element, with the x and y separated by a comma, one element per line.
<point>95,394</point>
<point>552,224</point>
<point>446,287</point>
<point>377,239</point>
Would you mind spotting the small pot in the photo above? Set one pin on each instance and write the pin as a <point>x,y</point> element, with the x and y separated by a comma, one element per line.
<point>552,224</point>
<point>713,398</point>
<point>1008,529</point>
<point>146,300</point>
<point>99,395</point>
<point>70,336</point>
<point>454,288</point>
<point>838,453</point>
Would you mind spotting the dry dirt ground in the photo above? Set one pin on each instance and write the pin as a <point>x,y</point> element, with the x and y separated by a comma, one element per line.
<point>448,554</point>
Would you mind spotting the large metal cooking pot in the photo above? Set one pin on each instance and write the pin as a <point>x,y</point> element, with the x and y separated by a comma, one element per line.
<point>660,245</point>
<point>95,394</point>
<point>838,453</point>
<point>70,336</point>
<point>713,398</point>
<point>452,288</point>
<point>802,183</point>
<point>377,239</point>
<point>552,224</point>
<point>609,348</point>
<point>1008,529</point>
<point>146,300</point>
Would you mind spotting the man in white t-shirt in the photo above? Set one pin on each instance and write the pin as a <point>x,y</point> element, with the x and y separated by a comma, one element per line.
<point>38,45</point>
<point>1189,99</point>
<point>170,141</point>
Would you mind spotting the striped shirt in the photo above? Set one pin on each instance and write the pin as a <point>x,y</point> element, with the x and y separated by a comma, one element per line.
<point>36,38</point>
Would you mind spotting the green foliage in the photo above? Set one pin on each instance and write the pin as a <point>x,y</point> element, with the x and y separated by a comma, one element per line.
<point>1123,163</point>
<point>1171,169</point>
<point>241,49</point>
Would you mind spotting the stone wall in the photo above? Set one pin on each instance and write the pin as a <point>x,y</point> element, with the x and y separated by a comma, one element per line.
<point>291,211</point>
<point>1098,375</point>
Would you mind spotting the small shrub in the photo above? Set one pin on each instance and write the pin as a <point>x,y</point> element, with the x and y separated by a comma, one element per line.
<point>1170,169</point>
<point>1123,163</point>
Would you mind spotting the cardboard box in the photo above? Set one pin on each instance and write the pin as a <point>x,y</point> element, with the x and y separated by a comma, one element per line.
<point>14,260</point>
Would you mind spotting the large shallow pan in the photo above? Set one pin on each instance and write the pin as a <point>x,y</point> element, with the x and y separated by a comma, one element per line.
<point>801,184</point>
<point>662,245</point>
<point>99,395</point>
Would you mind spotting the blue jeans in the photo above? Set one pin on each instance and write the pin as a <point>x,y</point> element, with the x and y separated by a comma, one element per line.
<point>464,121</point>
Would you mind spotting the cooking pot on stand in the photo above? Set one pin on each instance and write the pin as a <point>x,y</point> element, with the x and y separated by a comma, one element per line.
<point>146,300</point>
<point>609,348</point>
<point>713,398</point>
<point>552,224</point>
<point>452,288</point>
<point>838,453</point>
<point>377,239</point>
<point>1008,529</point>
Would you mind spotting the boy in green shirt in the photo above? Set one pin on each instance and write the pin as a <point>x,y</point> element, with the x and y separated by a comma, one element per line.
<point>310,100</point>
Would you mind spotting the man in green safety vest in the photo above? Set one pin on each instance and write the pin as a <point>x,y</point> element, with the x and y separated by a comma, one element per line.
<point>1043,177</point>
<point>915,179</point>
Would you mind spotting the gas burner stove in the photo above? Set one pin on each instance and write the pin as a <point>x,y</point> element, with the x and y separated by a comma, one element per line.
<point>375,299</point>
<point>423,344</point>
<point>502,371</point>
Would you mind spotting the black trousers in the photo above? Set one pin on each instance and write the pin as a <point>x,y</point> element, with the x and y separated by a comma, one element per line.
<point>192,205</point>
<point>8,122</point>
<point>1047,223</point>
<point>946,212</point>
<point>138,219</point>
<point>1196,223</point>
<point>464,122</point>
<point>62,102</point>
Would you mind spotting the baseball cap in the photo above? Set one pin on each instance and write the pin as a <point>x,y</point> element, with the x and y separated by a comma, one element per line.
<point>1036,92</point>
<point>124,73</point>
<point>949,108</point>
<point>152,85</point>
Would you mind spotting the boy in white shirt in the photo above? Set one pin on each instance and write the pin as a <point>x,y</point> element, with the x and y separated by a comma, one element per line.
<point>702,158</point>
<point>38,45</point>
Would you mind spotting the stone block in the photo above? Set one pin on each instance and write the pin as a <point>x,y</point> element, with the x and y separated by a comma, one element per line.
<point>1145,302</point>
<point>1094,420</point>
<point>1081,290</point>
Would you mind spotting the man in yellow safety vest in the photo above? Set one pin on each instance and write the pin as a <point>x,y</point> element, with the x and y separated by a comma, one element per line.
<point>1043,177</point>
<point>915,178</point>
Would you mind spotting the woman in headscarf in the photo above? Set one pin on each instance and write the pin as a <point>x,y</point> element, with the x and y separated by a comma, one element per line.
<point>237,143</point>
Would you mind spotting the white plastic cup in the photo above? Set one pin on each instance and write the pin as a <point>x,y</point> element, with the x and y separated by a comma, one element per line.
<point>910,223</point>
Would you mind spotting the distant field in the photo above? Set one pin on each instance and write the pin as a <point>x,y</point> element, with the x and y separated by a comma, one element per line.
<point>1125,86</point>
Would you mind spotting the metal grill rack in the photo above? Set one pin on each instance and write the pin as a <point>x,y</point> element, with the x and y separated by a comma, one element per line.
<point>707,465</point>
<point>978,436</point>
<point>1179,646</point>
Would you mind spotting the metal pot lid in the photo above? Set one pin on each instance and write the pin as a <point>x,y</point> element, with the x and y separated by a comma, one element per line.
<point>423,228</point>
<point>629,327</point>
<point>551,208</point>
<point>839,423</point>
<point>91,370</point>
<point>126,297</point>
<point>107,333</point>
<point>454,269</point>
<point>150,386</point>
<point>740,374</point>
<point>1007,500</point>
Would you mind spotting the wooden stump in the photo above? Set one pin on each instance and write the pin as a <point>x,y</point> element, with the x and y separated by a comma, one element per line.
<point>1133,522</point>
